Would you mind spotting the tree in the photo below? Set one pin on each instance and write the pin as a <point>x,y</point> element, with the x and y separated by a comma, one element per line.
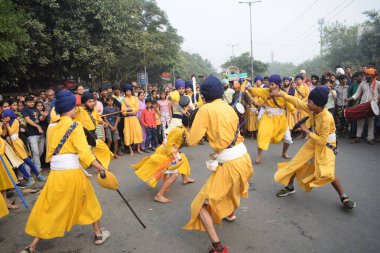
<point>13,40</point>
<point>243,62</point>
<point>189,64</point>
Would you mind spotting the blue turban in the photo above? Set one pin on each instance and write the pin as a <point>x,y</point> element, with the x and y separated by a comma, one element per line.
<point>64,102</point>
<point>258,78</point>
<point>127,87</point>
<point>11,114</point>
<point>275,79</point>
<point>86,96</point>
<point>287,78</point>
<point>179,84</point>
<point>212,88</point>
<point>189,84</point>
<point>299,76</point>
<point>241,80</point>
<point>319,95</point>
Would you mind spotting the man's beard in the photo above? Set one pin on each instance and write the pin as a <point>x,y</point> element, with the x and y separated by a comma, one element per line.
<point>88,108</point>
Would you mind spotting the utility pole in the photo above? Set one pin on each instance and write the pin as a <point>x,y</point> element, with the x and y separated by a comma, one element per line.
<point>321,22</point>
<point>233,48</point>
<point>250,23</point>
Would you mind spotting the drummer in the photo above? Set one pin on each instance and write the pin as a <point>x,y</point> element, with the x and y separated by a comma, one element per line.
<point>90,119</point>
<point>368,90</point>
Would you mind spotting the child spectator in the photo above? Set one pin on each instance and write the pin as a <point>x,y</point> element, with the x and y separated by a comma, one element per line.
<point>34,130</point>
<point>158,139</point>
<point>165,110</point>
<point>148,120</point>
<point>332,96</point>
<point>112,133</point>
<point>341,104</point>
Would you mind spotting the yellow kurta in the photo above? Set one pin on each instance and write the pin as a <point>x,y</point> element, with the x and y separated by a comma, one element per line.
<point>132,127</point>
<point>68,197</point>
<point>271,128</point>
<point>314,163</point>
<point>199,101</point>
<point>101,150</point>
<point>16,143</point>
<point>3,207</point>
<point>5,181</point>
<point>150,168</point>
<point>253,113</point>
<point>225,186</point>
<point>54,118</point>
<point>303,94</point>
<point>289,115</point>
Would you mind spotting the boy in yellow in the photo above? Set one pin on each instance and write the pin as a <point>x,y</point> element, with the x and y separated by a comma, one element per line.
<point>12,126</point>
<point>132,128</point>
<point>151,169</point>
<point>68,197</point>
<point>302,92</point>
<point>90,119</point>
<point>273,125</point>
<point>314,164</point>
<point>174,98</point>
<point>288,88</point>
<point>190,93</point>
<point>5,181</point>
<point>231,167</point>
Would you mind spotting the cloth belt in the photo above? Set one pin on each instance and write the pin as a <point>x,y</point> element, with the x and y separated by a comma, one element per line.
<point>52,124</point>
<point>66,162</point>
<point>271,111</point>
<point>331,138</point>
<point>226,156</point>
<point>14,137</point>
<point>177,116</point>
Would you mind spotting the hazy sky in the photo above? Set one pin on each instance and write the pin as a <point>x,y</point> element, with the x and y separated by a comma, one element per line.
<point>288,28</point>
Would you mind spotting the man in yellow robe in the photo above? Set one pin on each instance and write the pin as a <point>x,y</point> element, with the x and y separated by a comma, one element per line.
<point>68,197</point>
<point>231,165</point>
<point>273,125</point>
<point>314,164</point>
<point>90,119</point>
<point>198,102</point>
<point>302,92</point>
<point>132,129</point>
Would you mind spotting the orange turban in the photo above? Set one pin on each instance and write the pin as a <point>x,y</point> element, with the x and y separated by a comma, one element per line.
<point>371,71</point>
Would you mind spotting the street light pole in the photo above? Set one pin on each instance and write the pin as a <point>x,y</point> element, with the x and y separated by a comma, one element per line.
<point>250,25</point>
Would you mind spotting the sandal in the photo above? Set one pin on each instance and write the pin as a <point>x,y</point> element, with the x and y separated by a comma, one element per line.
<point>27,250</point>
<point>102,238</point>
<point>348,203</point>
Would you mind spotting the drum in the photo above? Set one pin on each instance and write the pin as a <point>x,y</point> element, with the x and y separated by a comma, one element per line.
<point>240,110</point>
<point>99,130</point>
<point>360,111</point>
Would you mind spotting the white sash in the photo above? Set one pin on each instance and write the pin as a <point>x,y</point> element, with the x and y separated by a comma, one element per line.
<point>227,155</point>
<point>66,162</point>
<point>271,111</point>
<point>331,138</point>
<point>14,137</point>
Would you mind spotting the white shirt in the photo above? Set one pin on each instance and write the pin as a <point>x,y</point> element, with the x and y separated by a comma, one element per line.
<point>331,101</point>
<point>367,93</point>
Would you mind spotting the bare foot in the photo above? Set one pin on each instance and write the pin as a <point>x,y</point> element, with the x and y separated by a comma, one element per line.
<point>131,153</point>
<point>12,207</point>
<point>139,151</point>
<point>120,153</point>
<point>116,156</point>
<point>258,160</point>
<point>286,156</point>
<point>187,180</point>
<point>162,199</point>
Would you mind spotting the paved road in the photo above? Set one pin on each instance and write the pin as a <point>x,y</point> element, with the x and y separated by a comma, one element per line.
<point>312,222</point>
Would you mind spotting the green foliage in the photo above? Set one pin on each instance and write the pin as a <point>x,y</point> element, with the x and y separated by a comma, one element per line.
<point>243,62</point>
<point>44,41</point>
<point>189,64</point>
